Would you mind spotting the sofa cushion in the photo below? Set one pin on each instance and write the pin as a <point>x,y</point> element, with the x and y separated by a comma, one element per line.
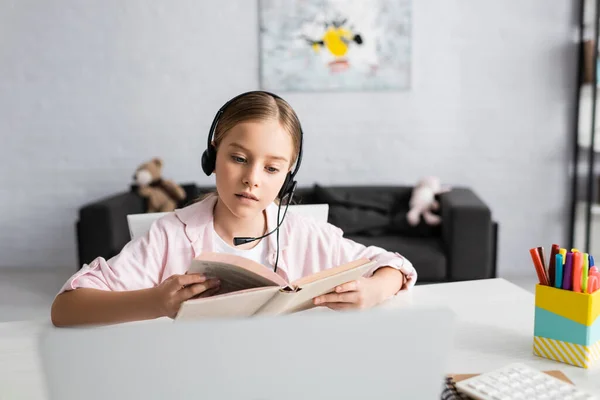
<point>356,211</point>
<point>399,225</point>
<point>355,221</point>
<point>371,211</point>
<point>425,254</point>
<point>355,197</point>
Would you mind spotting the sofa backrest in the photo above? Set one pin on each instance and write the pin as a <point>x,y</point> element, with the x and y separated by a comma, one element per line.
<point>367,210</point>
<point>364,210</point>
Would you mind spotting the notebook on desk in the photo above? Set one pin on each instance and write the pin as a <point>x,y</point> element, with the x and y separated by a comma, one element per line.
<point>450,392</point>
<point>315,354</point>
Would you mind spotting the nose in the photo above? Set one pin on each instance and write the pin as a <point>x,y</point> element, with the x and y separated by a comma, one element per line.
<point>251,176</point>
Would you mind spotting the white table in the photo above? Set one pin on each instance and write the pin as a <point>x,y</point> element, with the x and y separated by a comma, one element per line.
<point>20,372</point>
<point>495,328</point>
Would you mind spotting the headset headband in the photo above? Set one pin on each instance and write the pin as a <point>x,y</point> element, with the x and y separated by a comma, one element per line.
<point>222,110</point>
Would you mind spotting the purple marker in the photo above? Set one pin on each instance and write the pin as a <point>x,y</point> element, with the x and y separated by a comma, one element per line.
<point>567,282</point>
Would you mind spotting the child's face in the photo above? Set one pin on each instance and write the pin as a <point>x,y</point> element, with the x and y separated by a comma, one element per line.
<point>253,157</point>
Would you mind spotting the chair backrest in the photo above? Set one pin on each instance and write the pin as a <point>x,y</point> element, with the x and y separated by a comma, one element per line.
<point>139,224</point>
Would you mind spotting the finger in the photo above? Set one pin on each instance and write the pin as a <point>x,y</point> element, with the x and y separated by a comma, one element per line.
<point>190,279</point>
<point>340,306</point>
<point>347,287</point>
<point>199,274</point>
<point>197,288</point>
<point>207,293</point>
<point>345,297</point>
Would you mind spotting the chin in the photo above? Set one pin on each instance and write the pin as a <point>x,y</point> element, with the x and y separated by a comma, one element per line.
<point>244,210</point>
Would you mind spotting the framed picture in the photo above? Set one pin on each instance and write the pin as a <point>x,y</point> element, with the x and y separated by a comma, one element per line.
<point>335,45</point>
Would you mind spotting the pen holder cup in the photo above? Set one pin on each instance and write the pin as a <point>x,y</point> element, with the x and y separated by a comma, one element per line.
<point>567,327</point>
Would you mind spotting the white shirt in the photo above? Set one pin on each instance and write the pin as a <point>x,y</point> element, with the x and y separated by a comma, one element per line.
<point>258,253</point>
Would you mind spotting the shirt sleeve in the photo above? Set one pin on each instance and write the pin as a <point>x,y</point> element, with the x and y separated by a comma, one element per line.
<point>348,250</point>
<point>139,265</point>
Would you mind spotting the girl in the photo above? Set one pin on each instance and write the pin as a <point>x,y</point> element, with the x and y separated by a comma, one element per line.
<point>252,149</point>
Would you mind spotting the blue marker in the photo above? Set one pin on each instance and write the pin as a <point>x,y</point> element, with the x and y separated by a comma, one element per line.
<point>558,271</point>
<point>591,261</point>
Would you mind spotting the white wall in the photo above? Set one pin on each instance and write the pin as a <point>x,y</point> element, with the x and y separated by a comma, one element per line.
<point>88,90</point>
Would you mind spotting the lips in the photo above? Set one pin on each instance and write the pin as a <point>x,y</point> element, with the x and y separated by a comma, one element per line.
<point>247,196</point>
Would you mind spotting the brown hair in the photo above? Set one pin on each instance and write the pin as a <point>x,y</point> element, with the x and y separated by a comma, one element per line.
<point>259,106</point>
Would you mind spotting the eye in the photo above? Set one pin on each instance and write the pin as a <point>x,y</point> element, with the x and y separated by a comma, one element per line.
<point>238,159</point>
<point>272,170</point>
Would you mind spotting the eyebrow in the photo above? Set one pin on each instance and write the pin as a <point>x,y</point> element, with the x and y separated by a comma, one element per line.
<point>280,158</point>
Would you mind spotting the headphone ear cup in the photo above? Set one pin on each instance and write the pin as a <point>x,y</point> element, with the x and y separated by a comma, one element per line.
<point>209,159</point>
<point>288,187</point>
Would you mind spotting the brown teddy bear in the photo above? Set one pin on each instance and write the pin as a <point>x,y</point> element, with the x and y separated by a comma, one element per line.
<point>162,194</point>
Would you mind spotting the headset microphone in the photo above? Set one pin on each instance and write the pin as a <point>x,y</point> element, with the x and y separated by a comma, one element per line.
<point>243,240</point>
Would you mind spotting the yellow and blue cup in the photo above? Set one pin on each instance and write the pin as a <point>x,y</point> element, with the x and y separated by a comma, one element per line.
<point>567,327</point>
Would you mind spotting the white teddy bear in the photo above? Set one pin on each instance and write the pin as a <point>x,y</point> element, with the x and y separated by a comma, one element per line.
<point>423,202</point>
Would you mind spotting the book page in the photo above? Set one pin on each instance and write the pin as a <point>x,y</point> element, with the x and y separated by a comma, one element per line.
<point>285,302</point>
<point>235,273</point>
<point>303,297</point>
<point>329,272</point>
<point>239,304</point>
<point>278,304</point>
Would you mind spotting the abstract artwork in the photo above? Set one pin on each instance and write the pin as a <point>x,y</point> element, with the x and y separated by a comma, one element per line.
<point>335,45</point>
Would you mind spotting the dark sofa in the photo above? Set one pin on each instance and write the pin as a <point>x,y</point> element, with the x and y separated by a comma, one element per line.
<point>463,247</point>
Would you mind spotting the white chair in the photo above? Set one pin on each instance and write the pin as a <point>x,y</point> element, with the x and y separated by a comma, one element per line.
<point>139,224</point>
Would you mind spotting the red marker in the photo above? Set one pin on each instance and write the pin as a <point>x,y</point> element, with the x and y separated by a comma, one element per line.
<point>592,285</point>
<point>539,267</point>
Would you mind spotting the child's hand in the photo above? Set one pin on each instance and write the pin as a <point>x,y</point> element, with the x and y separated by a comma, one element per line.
<point>178,288</point>
<point>358,294</point>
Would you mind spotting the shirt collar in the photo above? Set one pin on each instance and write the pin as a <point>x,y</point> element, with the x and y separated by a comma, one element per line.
<point>198,220</point>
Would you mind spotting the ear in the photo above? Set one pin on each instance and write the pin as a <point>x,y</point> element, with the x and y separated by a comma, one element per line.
<point>157,161</point>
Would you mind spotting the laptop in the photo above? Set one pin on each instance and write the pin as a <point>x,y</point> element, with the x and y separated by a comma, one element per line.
<point>372,354</point>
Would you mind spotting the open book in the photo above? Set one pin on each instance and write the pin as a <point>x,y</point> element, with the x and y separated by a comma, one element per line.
<point>248,288</point>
